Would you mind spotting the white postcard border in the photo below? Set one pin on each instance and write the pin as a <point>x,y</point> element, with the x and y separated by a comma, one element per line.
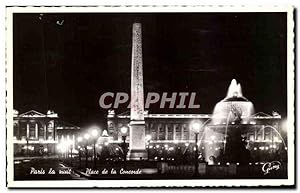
<point>153,183</point>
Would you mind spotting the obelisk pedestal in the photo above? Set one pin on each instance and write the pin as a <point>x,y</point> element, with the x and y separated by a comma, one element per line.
<point>137,146</point>
<point>137,150</point>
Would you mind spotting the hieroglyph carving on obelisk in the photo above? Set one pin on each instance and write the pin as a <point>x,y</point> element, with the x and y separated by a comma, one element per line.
<point>137,146</point>
<point>137,89</point>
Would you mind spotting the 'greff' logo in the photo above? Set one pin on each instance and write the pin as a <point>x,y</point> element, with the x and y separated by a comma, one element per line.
<point>269,166</point>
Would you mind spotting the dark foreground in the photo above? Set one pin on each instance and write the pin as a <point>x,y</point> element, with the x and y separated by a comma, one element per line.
<point>57,169</point>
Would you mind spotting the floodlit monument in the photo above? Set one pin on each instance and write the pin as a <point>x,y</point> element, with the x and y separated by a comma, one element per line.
<point>227,119</point>
<point>137,146</point>
<point>233,133</point>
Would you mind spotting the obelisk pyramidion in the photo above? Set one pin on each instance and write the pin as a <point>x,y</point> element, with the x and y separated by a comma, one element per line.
<point>137,149</point>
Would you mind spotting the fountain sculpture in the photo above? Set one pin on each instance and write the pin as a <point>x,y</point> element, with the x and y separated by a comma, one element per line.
<point>226,125</point>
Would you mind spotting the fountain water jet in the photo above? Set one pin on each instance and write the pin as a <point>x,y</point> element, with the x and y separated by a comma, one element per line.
<point>274,129</point>
<point>226,122</point>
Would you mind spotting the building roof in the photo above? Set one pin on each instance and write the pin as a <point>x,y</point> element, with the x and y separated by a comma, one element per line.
<point>259,115</point>
<point>35,114</point>
<point>50,114</point>
<point>32,113</point>
<point>66,125</point>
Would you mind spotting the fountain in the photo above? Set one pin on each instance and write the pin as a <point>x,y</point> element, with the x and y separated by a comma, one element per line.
<point>235,103</point>
<point>225,127</point>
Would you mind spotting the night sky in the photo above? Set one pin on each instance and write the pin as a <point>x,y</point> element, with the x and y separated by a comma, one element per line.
<point>65,62</point>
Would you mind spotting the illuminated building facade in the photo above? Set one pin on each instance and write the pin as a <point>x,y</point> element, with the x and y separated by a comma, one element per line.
<point>232,133</point>
<point>37,134</point>
<point>262,133</point>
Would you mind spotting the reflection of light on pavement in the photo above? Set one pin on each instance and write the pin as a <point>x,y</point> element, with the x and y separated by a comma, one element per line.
<point>62,165</point>
<point>64,145</point>
<point>26,160</point>
<point>17,162</point>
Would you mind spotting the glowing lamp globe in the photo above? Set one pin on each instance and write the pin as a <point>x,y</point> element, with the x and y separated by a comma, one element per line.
<point>124,130</point>
<point>196,127</point>
<point>86,136</point>
<point>94,132</point>
<point>79,139</point>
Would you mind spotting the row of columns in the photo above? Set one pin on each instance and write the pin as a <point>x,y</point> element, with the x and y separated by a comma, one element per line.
<point>36,131</point>
<point>169,128</point>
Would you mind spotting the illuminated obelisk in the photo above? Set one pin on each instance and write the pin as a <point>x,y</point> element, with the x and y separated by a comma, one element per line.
<point>137,149</point>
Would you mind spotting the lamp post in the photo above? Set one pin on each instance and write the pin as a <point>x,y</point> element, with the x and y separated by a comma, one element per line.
<point>71,147</point>
<point>124,131</point>
<point>196,127</point>
<point>148,138</point>
<point>27,147</point>
<point>79,139</point>
<point>95,135</point>
<point>86,137</point>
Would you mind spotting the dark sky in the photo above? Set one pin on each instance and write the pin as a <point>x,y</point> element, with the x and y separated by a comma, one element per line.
<point>67,67</point>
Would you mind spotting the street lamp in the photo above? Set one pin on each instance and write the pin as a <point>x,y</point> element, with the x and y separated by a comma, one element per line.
<point>148,138</point>
<point>124,131</point>
<point>95,132</point>
<point>86,137</point>
<point>27,146</point>
<point>79,139</point>
<point>196,127</point>
<point>95,135</point>
<point>70,146</point>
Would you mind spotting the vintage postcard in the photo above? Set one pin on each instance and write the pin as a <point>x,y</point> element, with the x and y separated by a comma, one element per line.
<point>150,96</point>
